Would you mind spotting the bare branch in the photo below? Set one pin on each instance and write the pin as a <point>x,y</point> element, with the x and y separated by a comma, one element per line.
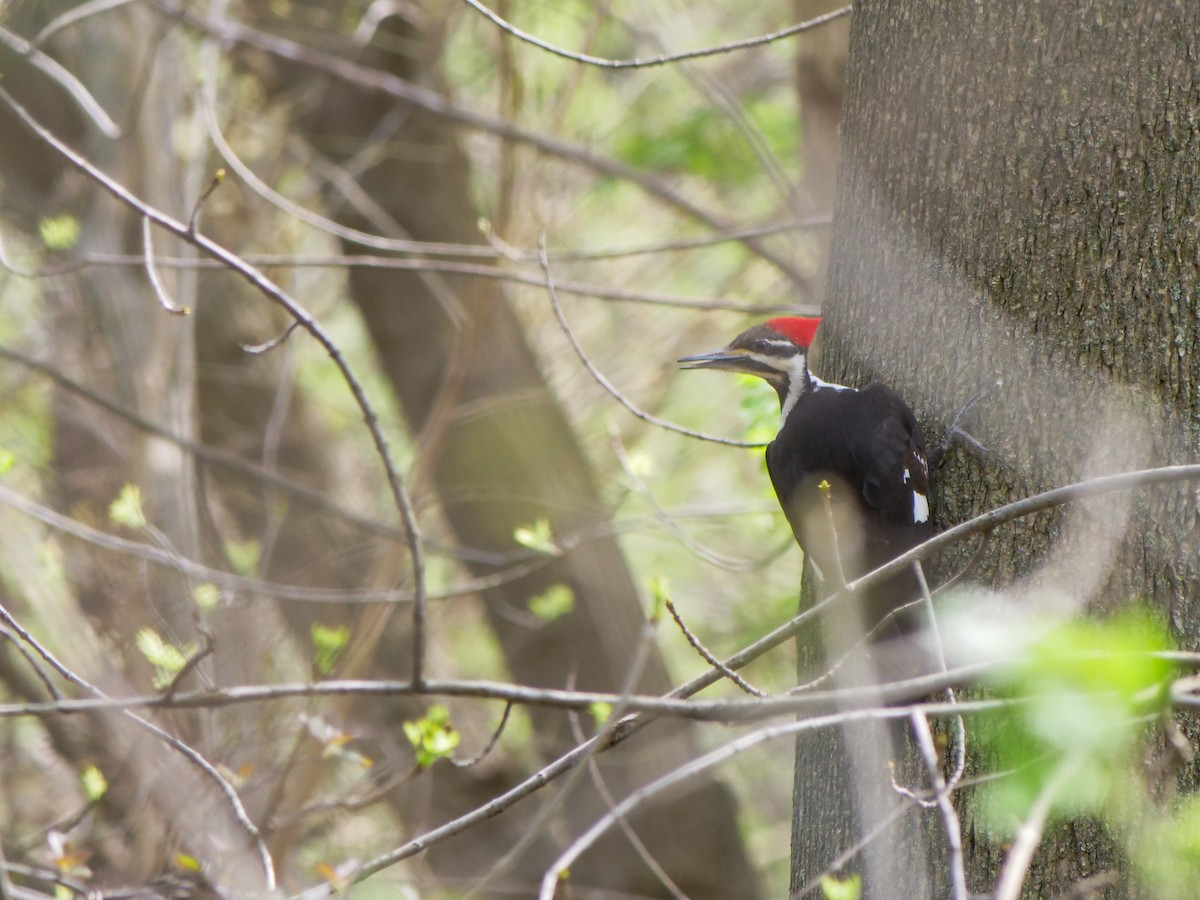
<point>72,85</point>
<point>599,291</point>
<point>635,668</point>
<point>489,746</point>
<point>160,290</point>
<point>74,16</point>
<point>635,841</point>
<point>433,102</point>
<point>941,794</point>
<point>1029,833</point>
<point>709,658</point>
<point>664,58</point>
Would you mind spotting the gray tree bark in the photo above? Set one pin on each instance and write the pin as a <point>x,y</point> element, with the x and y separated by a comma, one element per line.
<point>1016,211</point>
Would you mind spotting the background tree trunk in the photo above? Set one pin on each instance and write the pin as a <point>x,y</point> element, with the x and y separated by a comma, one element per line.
<point>497,453</point>
<point>1016,209</point>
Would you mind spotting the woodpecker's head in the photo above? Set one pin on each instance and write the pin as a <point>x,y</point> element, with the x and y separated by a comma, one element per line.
<point>776,351</point>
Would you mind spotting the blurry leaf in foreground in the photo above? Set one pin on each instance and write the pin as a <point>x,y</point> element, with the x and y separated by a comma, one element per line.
<point>1086,691</point>
<point>1166,852</point>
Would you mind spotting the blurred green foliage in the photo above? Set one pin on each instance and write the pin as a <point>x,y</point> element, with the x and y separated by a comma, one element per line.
<point>1086,698</point>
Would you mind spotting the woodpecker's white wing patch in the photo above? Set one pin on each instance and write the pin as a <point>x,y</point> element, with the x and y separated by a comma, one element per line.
<point>920,505</point>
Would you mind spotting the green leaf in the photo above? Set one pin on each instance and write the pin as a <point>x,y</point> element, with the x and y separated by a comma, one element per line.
<point>59,232</point>
<point>206,596</point>
<point>660,592</point>
<point>601,712</point>
<point>8,459</point>
<point>554,603</point>
<point>328,644</point>
<point>243,555</point>
<point>537,536</point>
<point>94,783</point>
<point>127,508</point>
<point>167,659</point>
<point>433,736</point>
<point>844,889</point>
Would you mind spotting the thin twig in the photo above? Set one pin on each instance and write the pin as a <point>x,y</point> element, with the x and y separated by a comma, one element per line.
<point>667,520</point>
<point>20,647</point>
<point>631,835</point>
<point>608,385</point>
<point>477,270</point>
<point>210,645</point>
<point>695,768</point>
<point>75,16</point>
<point>708,656</point>
<point>1029,833</point>
<point>217,179</point>
<point>941,794</point>
<point>636,666</point>
<point>72,85</point>
<point>664,58</point>
<point>160,289</point>
<point>489,746</point>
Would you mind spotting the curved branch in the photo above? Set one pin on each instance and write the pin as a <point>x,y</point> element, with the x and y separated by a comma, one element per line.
<point>662,58</point>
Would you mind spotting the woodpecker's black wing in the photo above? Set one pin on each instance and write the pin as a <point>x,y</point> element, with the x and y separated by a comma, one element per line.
<point>868,445</point>
<point>895,479</point>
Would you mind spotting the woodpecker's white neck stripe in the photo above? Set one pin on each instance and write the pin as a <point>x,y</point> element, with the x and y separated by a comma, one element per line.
<point>799,382</point>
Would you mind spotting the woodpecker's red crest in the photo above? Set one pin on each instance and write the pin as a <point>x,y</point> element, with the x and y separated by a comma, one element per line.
<point>800,330</point>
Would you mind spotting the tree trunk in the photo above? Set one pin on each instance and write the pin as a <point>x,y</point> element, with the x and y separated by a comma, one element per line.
<point>1016,207</point>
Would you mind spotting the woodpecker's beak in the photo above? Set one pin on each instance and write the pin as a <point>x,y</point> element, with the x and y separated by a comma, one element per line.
<point>730,360</point>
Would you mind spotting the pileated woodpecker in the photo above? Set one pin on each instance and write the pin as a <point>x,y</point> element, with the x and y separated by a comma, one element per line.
<point>848,466</point>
